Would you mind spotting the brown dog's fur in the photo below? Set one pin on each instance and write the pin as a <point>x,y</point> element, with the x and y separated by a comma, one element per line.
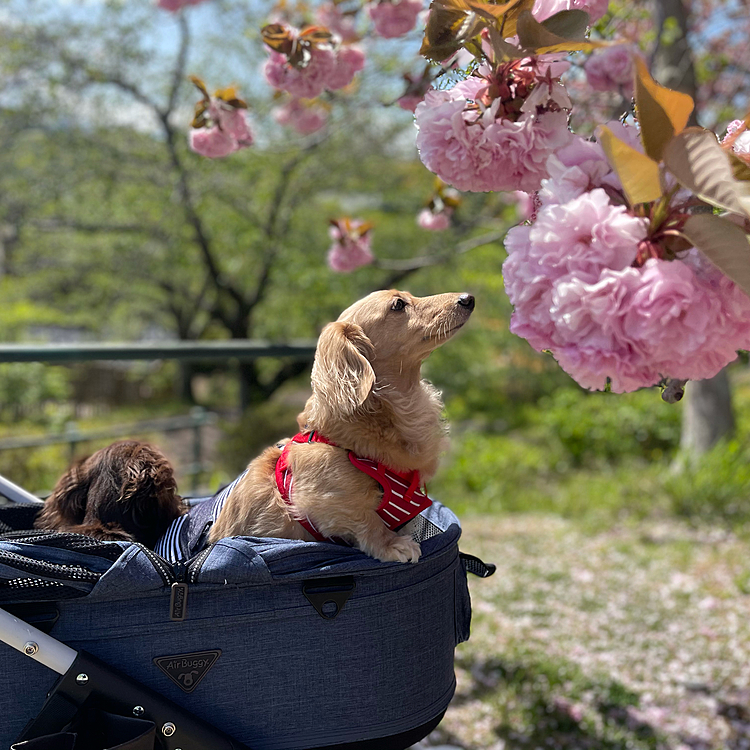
<point>367,397</point>
<point>126,491</point>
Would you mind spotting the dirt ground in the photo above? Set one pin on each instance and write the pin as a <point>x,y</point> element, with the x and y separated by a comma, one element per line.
<point>635,636</point>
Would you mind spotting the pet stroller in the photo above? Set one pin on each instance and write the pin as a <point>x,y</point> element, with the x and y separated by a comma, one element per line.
<point>267,644</point>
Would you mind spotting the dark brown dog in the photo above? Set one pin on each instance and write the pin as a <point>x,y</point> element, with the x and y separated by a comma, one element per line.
<point>126,491</point>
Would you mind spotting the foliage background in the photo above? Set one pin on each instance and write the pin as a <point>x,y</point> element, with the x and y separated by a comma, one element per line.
<point>566,489</point>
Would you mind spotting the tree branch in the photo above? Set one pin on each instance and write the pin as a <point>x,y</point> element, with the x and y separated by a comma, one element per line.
<point>178,74</point>
<point>403,268</point>
<point>55,225</point>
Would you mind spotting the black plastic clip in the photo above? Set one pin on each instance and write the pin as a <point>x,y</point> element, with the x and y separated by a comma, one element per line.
<point>329,595</point>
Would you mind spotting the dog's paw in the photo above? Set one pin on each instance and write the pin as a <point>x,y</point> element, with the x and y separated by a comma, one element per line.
<point>401,549</point>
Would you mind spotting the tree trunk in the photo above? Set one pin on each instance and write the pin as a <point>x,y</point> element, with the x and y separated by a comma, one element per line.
<point>708,414</point>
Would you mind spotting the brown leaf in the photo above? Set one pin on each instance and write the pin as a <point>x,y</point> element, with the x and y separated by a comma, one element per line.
<point>490,10</point>
<point>724,244</point>
<point>509,24</point>
<point>638,173</point>
<point>662,113</point>
<point>700,164</point>
<point>198,83</point>
<point>453,23</point>
<point>278,37</point>
<point>318,36</point>
<point>449,26</point>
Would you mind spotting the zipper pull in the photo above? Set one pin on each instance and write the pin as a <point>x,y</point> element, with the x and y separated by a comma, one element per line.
<point>178,598</point>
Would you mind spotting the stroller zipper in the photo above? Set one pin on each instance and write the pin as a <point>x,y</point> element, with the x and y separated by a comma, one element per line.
<point>177,577</point>
<point>178,599</point>
<point>172,576</point>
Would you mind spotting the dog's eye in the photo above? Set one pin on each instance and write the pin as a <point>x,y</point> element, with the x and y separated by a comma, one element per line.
<point>398,304</point>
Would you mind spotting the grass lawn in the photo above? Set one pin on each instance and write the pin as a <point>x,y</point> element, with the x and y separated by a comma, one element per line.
<point>633,636</point>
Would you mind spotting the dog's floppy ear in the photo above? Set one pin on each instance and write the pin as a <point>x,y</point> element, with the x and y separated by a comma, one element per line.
<point>342,376</point>
<point>148,498</point>
<point>67,503</point>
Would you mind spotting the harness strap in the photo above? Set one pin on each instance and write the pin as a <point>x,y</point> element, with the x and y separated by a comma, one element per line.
<point>403,496</point>
<point>285,480</point>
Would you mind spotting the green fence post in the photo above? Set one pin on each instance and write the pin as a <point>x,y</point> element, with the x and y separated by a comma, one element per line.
<point>72,437</point>
<point>199,416</point>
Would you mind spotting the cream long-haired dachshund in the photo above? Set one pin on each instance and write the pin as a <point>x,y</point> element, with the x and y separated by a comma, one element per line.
<point>370,413</point>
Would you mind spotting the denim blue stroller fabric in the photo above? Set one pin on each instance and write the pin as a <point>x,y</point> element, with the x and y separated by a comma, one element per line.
<point>282,677</point>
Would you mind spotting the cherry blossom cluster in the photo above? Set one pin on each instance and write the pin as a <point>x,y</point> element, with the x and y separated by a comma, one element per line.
<point>351,244</point>
<point>438,214</point>
<point>394,18</point>
<point>495,130</point>
<point>324,65</point>
<point>220,125</point>
<point>305,116</point>
<point>175,5</point>
<point>610,292</point>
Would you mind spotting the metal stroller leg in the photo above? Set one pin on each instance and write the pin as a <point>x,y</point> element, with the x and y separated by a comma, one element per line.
<point>88,682</point>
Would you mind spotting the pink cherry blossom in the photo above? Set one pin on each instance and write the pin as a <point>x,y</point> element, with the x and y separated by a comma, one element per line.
<point>393,18</point>
<point>211,142</point>
<point>303,82</point>
<point>473,147</point>
<point>611,69</point>
<point>409,102</point>
<point>436,221</point>
<point>175,5</point>
<point>543,9</point>
<point>305,118</point>
<point>579,290</point>
<point>344,25</point>
<point>351,245</point>
<point>227,131</point>
<point>525,204</point>
<point>349,61</point>
<point>573,170</point>
<point>234,123</point>
<point>738,139</point>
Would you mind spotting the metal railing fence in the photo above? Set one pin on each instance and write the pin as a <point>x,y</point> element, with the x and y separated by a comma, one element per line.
<point>196,351</point>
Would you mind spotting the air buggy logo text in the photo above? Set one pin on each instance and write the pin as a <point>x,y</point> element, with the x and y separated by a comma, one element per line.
<point>187,670</point>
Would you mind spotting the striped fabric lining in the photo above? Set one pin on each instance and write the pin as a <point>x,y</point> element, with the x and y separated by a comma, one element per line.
<point>174,545</point>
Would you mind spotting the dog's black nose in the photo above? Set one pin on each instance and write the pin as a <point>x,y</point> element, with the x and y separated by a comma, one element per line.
<point>466,300</point>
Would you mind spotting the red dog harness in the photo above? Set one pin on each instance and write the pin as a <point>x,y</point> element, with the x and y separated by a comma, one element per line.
<point>403,498</point>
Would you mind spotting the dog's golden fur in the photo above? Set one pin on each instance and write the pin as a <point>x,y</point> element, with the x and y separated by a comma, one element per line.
<point>367,397</point>
<point>126,491</point>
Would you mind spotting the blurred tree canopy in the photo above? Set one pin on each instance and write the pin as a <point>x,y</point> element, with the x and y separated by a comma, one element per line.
<point>112,225</point>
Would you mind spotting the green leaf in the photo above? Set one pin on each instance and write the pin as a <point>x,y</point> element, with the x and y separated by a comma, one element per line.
<point>700,164</point>
<point>740,169</point>
<point>724,244</point>
<point>662,113</point>
<point>638,173</point>
<point>537,38</point>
